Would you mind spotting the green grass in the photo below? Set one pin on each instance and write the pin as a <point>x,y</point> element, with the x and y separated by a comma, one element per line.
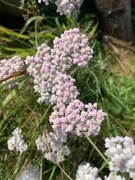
<point>104,81</point>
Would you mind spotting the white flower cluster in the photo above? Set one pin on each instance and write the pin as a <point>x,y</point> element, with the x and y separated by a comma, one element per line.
<point>16,142</point>
<point>29,172</point>
<point>65,6</point>
<point>48,64</point>
<point>77,118</point>
<point>10,66</point>
<point>53,146</point>
<point>86,172</point>
<point>114,176</point>
<point>121,151</point>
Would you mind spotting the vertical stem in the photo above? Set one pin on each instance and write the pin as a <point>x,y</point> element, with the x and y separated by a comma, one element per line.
<point>52,173</point>
<point>96,148</point>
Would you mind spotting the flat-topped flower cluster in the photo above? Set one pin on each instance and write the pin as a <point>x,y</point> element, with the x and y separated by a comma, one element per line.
<point>64,6</point>
<point>16,142</point>
<point>52,145</point>
<point>71,48</point>
<point>78,118</point>
<point>121,151</point>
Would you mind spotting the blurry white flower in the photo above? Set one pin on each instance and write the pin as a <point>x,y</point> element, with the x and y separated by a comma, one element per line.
<point>87,172</point>
<point>29,172</point>
<point>121,151</point>
<point>52,145</point>
<point>16,142</point>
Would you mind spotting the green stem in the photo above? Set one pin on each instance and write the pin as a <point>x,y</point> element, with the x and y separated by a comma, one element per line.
<point>96,148</point>
<point>52,173</point>
<point>104,165</point>
<point>41,170</point>
<point>110,127</point>
<point>36,32</point>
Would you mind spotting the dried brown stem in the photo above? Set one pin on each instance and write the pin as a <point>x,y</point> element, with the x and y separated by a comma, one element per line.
<point>118,42</point>
<point>13,75</point>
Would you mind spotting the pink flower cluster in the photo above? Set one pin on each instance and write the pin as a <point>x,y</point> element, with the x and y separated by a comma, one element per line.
<point>64,90</point>
<point>10,66</point>
<point>65,6</point>
<point>78,118</point>
<point>70,48</point>
<point>48,64</point>
<point>40,67</point>
<point>49,67</point>
<point>52,145</point>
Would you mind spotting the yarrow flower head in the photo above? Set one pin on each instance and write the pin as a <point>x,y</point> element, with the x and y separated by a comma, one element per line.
<point>10,66</point>
<point>16,142</point>
<point>78,118</point>
<point>48,65</point>
<point>72,47</point>
<point>66,7</point>
<point>121,151</point>
<point>52,145</point>
<point>64,90</point>
<point>87,172</point>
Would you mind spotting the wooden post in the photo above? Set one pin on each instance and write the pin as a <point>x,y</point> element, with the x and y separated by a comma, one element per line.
<point>115,18</point>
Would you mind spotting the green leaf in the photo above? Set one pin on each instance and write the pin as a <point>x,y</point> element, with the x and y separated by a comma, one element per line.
<point>13,33</point>
<point>9,97</point>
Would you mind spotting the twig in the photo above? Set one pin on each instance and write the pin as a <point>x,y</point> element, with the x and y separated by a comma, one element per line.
<point>13,75</point>
<point>113,47</point>
<point>64,172</point>
<point>118,42</point>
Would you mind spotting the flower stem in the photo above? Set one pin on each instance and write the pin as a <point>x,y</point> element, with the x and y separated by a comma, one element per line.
<point>96,148</point>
